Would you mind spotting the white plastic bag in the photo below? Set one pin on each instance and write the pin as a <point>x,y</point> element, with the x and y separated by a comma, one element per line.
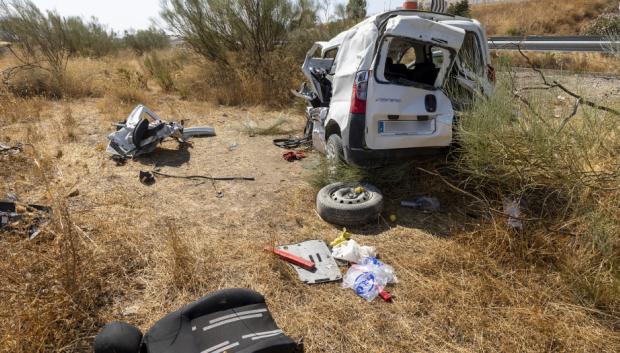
<point>369,277</point>
<point>351,251</point>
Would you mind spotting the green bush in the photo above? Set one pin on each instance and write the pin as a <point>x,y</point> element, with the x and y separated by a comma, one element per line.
<point>161,70</point>
<point>143,41</point>
<point>564,169</point>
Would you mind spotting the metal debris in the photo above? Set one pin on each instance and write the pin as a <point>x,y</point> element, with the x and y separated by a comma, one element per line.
<point>144,130</point>
<point>12,213</point>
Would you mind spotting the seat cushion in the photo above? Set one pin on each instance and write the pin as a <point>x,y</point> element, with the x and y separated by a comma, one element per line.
<point>235,320</point>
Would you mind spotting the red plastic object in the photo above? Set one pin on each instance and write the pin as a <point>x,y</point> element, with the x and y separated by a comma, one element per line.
<point>386,296</point>
<point>293,156</point>
<point>295,260</point>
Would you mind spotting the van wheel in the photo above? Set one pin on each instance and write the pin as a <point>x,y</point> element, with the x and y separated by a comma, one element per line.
<point>349,204</point>
<point>333,150</point>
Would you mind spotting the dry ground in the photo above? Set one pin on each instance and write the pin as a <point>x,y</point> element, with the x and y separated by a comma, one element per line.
<point>186,242</point>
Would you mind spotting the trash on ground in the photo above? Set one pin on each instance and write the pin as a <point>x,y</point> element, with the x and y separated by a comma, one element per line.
<point>14,216</point>
<point>353,252</point>
<point>343,237</point>
<point>292,156</point>
<point>147,178</point>
<point>512,209</point>
<point>233,146</point>
<point>369,277</point>
<point>140,135</point>
<point>290,258</point>
<point>317,252</point>
<point>342,204</point>
<point>423,203</point>
<point>11,150</point>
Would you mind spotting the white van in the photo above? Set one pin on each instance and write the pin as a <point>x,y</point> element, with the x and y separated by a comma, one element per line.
<point>388,88</point>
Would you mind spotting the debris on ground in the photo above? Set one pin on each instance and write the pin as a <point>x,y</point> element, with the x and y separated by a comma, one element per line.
<point>343,237</point>
<point>16,217</point>
<point>423,203</point>
<point>349,204</point>
<point>11,150</point>
<point>140,135</point>
<point>318,253</point>
<point>369,277</point>
<point>512,209</point>
<point>229,320</point>
<point>233,146</point>
<point>292,156</point>
<point>352,252</point>
<point>148,178</point>
<point>290,258</point>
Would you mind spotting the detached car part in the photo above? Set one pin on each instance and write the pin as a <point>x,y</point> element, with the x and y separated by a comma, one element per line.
<point>230,320</point>
<point>315,251</point>
<point>144,130</point>
<point>349,204</point>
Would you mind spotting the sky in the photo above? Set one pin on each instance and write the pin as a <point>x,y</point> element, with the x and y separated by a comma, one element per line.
<point>138,14</point>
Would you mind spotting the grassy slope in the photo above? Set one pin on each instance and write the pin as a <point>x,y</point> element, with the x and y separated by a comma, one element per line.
<point>540,17</point>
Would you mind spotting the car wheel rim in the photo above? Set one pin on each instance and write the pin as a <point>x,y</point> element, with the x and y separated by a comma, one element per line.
<point>349,196</point>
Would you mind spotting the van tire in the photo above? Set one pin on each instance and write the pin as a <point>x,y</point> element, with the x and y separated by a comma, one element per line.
<point>333,149</point>
<point>332,207</point>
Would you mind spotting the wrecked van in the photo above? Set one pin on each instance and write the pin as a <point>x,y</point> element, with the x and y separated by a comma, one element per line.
<point>388,88</point>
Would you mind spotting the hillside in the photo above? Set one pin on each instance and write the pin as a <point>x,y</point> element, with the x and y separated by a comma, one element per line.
<point>540,17</point>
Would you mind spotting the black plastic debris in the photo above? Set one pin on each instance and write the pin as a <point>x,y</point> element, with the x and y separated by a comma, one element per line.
<point>147,178</point>
<point>11,215</point>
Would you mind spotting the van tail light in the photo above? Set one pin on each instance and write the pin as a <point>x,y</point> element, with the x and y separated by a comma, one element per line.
<point>491,73</point>
<point>360,92</point>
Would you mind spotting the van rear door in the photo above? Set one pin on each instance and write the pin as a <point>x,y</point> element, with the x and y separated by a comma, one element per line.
<point>406,107</point>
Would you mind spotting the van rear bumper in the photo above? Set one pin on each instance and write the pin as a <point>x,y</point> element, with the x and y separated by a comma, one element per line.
<point>356,153</point>
<point>376,158</point>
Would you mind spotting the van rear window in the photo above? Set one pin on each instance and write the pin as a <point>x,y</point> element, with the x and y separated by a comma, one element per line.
<point>408,62</point>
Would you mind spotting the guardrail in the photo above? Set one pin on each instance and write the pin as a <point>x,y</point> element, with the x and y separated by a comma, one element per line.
<point>554,43</point>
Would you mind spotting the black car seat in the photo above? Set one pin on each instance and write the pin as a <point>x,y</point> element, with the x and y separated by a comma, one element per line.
<point>231,321</point>
<point>143,130</point>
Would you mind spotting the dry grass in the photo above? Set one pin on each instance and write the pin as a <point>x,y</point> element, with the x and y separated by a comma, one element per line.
<point>571,62</point>
<point>540,17</point>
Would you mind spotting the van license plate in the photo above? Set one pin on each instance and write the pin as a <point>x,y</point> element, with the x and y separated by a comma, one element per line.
<point>407,127</point>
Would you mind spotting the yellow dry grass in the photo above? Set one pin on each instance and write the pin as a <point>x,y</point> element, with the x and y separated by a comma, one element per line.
<point>539,17</point>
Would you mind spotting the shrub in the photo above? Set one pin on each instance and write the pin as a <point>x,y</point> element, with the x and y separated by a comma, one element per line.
<point>147,40</point>
<point>161,70</point>
<point>564,171</point>
<point>604,25</point>
<point>89,39</point>
<point>460,8</point>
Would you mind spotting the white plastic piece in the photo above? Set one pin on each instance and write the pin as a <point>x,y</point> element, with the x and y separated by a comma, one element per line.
<point>351,251</point>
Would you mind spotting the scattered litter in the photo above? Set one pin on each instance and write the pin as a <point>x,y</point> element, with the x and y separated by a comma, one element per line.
<point>12,213</point>
<point>147,178</point>
<point>344,236</point>
<point>233,146</point>
<point>292,156</point>
<point>138,135</point>
<point>424,203</point>
<point>512,209</point>
<point>11,150</point>
<point>351,251</point>
<point>369,277</point>
<point>561,98</point>
<point>317,252</point>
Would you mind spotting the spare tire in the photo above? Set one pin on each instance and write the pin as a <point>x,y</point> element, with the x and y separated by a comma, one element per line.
<point>341,204</point>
